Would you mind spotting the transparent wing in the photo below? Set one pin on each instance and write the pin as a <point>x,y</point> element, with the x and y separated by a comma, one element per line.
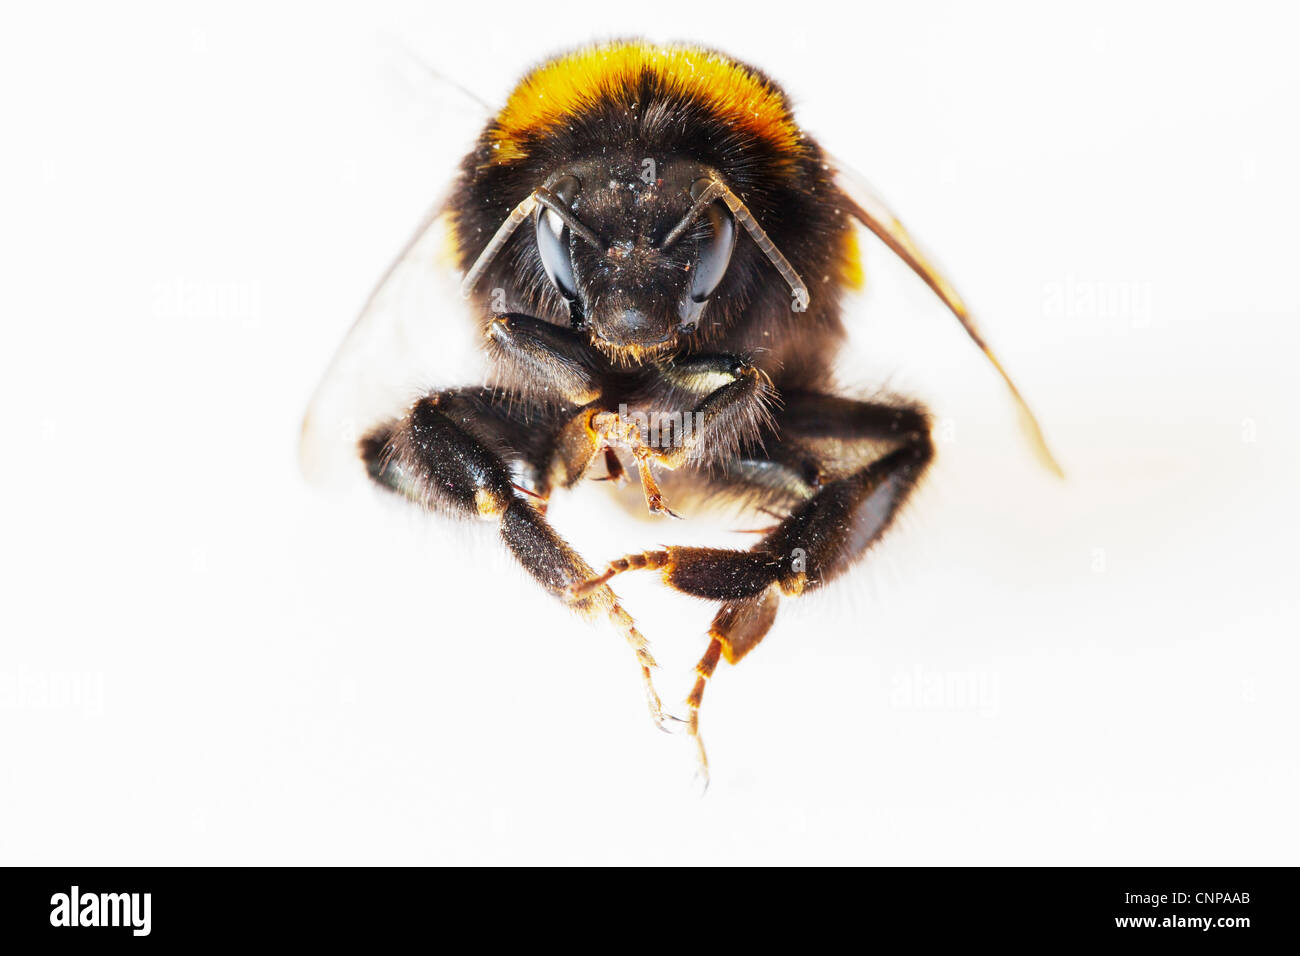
<point>414,333</point>
<point>867,206</point>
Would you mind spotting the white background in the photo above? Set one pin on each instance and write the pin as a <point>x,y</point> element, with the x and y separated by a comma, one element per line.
<point>204,660</point>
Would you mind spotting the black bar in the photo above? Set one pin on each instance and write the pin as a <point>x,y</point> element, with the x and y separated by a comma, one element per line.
<point>1050,905</point>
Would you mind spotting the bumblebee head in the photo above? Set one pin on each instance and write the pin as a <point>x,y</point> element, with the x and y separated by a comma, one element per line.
<point>637,252</point>
<point>622,173</point>
<point>632,250</point>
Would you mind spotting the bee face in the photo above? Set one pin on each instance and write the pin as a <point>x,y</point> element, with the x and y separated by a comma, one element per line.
<point>624,243</point>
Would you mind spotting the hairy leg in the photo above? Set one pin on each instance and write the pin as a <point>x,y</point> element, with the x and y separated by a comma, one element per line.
<point>848,466</point>
<point>694,410</point>
<point>727,408</point>
<point>449,454</point>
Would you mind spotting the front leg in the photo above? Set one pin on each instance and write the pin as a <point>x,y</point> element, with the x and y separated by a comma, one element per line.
<point>729,404</point>
<point>445,455</point>
<point>543,362</point>
<point>554,368</point>
<point>731,410</point>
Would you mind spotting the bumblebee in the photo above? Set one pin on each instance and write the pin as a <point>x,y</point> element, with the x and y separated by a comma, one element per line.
<point>656,255</point>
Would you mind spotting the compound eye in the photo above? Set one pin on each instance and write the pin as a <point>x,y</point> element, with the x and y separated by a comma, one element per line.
<point>553,240</point>
<point>715,251</point>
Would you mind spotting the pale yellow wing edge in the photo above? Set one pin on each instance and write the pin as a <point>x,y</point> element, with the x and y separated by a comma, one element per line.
<point>868,208</point>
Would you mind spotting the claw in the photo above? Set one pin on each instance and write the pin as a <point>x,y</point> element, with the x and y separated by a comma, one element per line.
<point>672,724</point>
<point>654,499</point>
<point>700,783</point>
<point>657,507</point>
<point>700,779</point>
